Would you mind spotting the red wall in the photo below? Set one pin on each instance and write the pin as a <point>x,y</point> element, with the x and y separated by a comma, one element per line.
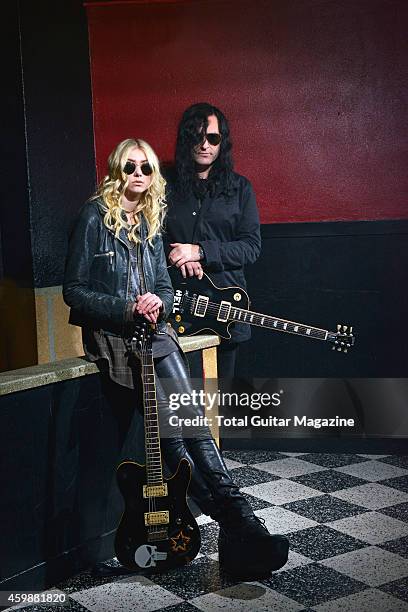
<point>314,92</point>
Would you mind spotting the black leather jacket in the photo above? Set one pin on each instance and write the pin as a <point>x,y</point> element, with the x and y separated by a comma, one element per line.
<point>97,274</point>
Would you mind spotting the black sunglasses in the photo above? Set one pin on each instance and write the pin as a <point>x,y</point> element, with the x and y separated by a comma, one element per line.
<point>212,138</point>
<point>145,167</point>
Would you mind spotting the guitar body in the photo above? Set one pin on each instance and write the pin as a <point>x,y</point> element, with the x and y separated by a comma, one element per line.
<point>162,546</point>
<point>182,315</point>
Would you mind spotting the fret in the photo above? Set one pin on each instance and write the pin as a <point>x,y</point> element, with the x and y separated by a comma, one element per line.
<point>154,468</point>
<point>278,324</point>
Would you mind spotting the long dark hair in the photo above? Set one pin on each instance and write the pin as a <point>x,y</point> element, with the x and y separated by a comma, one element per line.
<point>193,121</point>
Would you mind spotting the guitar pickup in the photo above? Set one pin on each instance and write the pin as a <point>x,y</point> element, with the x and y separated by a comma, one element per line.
<point>155,490</point>
<point>224,311</point>
<point>201,306</point>
<point>156,518</point>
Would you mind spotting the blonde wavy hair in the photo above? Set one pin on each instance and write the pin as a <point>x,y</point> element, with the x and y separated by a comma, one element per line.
<point>152,203</point>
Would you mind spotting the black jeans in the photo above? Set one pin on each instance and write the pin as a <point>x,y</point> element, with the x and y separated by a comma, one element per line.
<point>172,382</point>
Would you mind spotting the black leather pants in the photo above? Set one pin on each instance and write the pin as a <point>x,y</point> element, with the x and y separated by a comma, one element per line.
<point>211,486</point>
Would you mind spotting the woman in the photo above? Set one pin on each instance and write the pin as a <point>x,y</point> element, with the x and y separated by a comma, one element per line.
<point>115,274</point>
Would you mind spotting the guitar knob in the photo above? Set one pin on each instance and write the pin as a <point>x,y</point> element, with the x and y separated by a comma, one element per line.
<point>178,521</point>
<point>181,330</point>
<point>178,318</point>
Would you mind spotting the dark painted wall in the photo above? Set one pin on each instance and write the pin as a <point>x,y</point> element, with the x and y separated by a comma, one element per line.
<point>15,221</point>
<point>328,273</point>
<point>58,107</point>
<point>48,167</point>
<point>315,92</point>
<point>50,135</point>
<point>17,308</point>
<point>61,494</point>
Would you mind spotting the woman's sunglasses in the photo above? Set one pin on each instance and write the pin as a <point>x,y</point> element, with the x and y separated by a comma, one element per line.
<point>145,168</point>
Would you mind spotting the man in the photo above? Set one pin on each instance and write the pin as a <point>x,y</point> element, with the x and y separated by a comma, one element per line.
<point>212,222</point>
<point>212,225</point>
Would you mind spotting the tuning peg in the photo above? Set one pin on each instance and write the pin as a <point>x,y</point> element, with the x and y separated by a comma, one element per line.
<point>340,349</point>
<point>338,327</point>
<point>344,328</point>
<point>345,350</point>
<point>351,330</point>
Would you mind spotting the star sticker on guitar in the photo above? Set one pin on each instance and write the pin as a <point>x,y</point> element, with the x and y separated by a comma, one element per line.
<point>179,542</point>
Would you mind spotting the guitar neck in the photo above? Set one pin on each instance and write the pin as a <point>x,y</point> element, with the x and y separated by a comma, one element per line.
<point>290,327</point>
<point>154,470</point>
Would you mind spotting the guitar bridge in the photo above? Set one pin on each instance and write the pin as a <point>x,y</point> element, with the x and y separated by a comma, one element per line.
<point>157,536</point>
<point>157,518</point>
<point>155,490</point>
<point>201,306</point>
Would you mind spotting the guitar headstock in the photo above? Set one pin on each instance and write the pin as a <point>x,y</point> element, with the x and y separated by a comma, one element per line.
<point>343,339</point>
<point>142,334</point>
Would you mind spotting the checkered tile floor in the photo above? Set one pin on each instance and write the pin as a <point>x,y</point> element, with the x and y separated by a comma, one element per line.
<point>346,517</point>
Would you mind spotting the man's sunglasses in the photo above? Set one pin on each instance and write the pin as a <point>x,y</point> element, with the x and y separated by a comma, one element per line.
<point>145,168</point>
<point>212,138</point>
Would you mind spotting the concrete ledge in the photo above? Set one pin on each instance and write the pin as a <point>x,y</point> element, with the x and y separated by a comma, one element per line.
<point>65,369</point>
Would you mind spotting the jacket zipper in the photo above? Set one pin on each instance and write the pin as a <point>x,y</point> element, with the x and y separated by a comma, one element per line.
<point>109,254</point>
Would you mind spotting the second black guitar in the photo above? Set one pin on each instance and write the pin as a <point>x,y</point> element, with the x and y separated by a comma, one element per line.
<point>200,305</point>
<point>157,530</point>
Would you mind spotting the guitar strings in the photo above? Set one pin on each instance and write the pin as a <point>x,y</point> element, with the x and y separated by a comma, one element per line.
<point>147,362</point>
<point>143,351</point>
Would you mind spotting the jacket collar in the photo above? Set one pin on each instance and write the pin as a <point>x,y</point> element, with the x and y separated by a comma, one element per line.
<point>143,226</point>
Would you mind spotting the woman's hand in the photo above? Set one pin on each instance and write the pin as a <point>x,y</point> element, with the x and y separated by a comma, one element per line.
<point>148,305</point>
<point>183,253</point>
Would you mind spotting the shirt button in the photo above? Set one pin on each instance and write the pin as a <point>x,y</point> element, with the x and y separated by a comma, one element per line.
<point>194,213</point>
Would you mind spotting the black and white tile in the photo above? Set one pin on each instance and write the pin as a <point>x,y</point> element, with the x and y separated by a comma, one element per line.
<point>346,516</point>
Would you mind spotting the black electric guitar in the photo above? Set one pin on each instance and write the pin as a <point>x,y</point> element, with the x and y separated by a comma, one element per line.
<point>157,530</point>
<point>200,305</point>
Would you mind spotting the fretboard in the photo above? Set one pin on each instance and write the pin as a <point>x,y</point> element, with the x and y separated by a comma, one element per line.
<point>260,320</point>
<point>154,471</point>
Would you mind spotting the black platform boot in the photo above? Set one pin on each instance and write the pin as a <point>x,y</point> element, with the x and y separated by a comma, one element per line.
<point>246,548</point>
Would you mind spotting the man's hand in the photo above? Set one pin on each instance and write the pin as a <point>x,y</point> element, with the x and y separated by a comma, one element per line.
<point>180,253</point>
<point>192,268</point>
<point>149,306</point>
